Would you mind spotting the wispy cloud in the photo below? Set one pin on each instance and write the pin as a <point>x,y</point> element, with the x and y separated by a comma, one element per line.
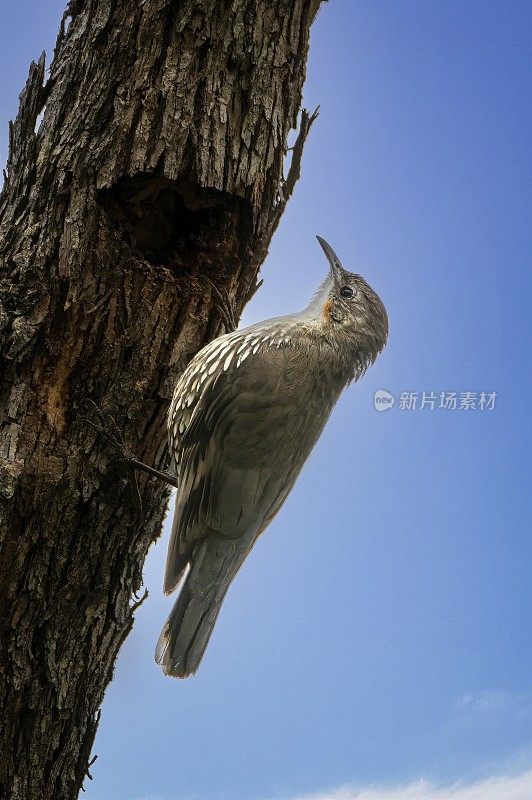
<point>499,787</point>
<point>490,700</point>
<point>505,787</point>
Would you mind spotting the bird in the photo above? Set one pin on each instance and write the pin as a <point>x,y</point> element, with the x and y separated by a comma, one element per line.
<point>244,417</point>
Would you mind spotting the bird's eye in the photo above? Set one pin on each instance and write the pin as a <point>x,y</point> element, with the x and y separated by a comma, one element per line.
<point>346,291</point>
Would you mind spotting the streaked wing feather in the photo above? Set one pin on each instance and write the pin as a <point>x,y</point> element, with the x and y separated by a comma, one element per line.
<point>232,448</point>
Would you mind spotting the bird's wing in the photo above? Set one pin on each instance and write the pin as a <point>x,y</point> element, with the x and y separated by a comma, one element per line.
<point>233,437</point>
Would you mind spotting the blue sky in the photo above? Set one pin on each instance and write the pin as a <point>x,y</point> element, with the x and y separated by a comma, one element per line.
<point>379,634</point>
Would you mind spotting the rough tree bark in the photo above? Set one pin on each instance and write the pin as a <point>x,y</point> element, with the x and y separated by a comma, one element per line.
<point>156,171</point>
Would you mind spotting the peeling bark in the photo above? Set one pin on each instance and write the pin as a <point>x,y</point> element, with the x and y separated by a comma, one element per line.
<point>156,171</point>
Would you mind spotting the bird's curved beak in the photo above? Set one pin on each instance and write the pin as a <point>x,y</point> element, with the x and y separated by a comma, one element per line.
<point>332,258</point>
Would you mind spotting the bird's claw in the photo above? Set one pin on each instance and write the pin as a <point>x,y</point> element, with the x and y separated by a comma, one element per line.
<point>115,439</point>
<point>225,307</point>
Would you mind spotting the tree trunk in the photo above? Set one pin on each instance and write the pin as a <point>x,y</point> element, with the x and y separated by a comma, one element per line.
<point>154,174</point>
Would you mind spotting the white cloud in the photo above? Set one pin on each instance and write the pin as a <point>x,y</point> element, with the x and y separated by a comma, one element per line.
<point>490,701</point>
<point>506,787</point>
<point>501,787</point>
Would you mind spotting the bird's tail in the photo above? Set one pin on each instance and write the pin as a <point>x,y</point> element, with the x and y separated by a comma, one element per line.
<point>186,633</point>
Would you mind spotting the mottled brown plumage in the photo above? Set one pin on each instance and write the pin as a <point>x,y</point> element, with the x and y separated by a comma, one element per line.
<point>245,415</point>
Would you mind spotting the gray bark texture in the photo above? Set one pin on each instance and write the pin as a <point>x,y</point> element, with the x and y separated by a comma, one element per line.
<point>153,181</point>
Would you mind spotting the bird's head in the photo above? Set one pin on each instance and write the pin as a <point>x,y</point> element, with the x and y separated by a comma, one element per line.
<point>351,310</point>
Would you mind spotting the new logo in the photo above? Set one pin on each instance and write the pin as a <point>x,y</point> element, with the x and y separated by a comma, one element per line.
<point>383,400</point>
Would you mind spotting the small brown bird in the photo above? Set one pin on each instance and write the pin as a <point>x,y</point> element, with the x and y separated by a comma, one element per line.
<point>245,415</point>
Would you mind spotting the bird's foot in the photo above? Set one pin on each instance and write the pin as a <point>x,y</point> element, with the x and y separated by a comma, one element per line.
<point>225,306</point>
<point>103,425</point>
<point>109,430</point>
